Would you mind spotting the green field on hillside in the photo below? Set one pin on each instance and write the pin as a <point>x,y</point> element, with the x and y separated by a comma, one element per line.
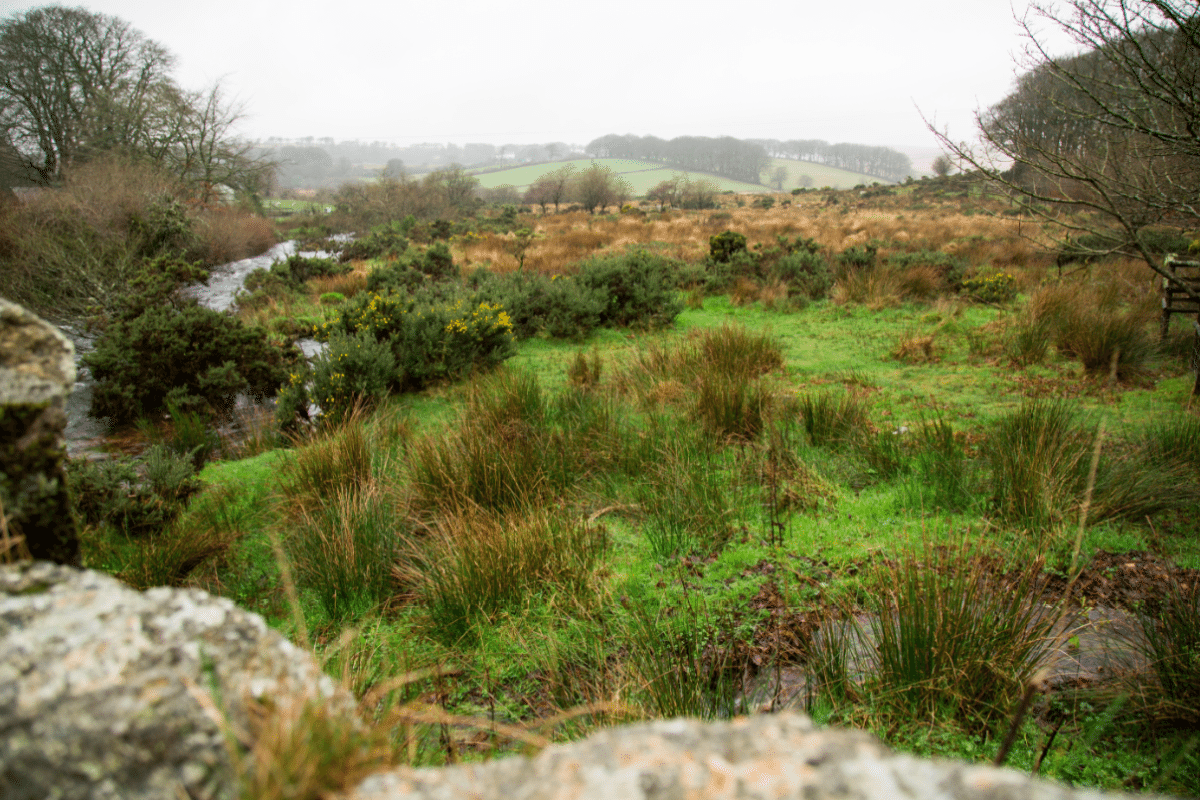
<point>821,175</point>
<point>642,175</point>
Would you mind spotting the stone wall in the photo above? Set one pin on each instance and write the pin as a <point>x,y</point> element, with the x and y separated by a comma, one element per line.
<point>37,372</point>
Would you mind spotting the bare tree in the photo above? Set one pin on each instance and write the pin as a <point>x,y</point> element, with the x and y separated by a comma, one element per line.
<point>62,71</point>
<point>1113,132</point>
<point>599,186</point>
<point>75,85</point>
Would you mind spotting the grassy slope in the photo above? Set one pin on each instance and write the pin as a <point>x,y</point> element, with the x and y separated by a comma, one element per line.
<point>642,175</point>
<point>821,175</point>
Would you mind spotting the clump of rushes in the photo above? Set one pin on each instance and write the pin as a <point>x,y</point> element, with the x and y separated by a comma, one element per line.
<point>1039,456</point>
<point>833,419</point>
<point>1170,642</point>
<point>955,636</point>
<point>475,565</point>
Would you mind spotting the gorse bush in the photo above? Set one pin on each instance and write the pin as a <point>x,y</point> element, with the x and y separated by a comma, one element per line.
<point>857,258</point>
<point>949,268</point>
<point>180,352</point>
<point>388,240</point>
<point>556,305</point>
<point>998,287</point>
<point>723,246</point>
<point>385,341</point>
<point>640,288</point>
<point>352,369</point>
<point>292,273</point>
<point>806,274</point>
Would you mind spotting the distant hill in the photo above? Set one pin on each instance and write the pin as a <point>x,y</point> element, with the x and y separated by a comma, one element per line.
<point>644,175</point>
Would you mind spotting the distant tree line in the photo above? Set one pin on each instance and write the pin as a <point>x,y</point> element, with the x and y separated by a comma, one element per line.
<point>724,156</point>
<point>881,162</point>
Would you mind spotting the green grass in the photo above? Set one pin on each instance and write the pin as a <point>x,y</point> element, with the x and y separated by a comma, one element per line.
<point>821,175</point>
<point>667,501</point>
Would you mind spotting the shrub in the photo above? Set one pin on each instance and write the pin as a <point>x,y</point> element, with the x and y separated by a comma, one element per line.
<point>194,357</point>
<point>999,287</point>
<point>383,241</point>
<point>559,306</point>
<point>431,338</point>
<point>723,246</point>
<point>857,257</point>
<point>113,492</point>
<point>352,369</point>
<point>639,288</point>
<point>805,272</point>
<point>950,268</point>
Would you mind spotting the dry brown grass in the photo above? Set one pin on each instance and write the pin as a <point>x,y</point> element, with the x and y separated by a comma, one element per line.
<point>228,235</point>
<point>348,284</point>
<point>915,348</point>
<point>744,292</point>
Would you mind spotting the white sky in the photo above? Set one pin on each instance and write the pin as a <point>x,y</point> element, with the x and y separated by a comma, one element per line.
<point>536,71</point>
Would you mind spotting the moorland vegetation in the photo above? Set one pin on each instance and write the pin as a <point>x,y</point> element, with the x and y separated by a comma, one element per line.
<point>875,454</point>
<point>652,462</point>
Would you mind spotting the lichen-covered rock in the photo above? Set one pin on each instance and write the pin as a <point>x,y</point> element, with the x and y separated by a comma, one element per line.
<point>37,372</point>
<point>107,692</point>
<point>768,756</point>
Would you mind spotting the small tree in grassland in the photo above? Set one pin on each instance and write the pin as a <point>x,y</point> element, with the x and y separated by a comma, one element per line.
<point>778,176</point>
<point>599,186</point>
<point>942,165</point>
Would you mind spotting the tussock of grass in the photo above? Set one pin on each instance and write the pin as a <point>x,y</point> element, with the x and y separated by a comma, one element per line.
<point>950,637</point>
<point>474,566</point>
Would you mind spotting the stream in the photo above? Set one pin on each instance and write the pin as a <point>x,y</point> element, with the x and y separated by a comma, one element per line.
<point>84,432</point>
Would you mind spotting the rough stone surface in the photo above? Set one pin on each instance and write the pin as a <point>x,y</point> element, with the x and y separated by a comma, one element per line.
<point>765,756</point>
<point>107,692</point>
<point>37,372</point>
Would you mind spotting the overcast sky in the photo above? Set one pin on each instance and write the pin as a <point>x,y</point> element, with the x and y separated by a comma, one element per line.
<point>538,71</point>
